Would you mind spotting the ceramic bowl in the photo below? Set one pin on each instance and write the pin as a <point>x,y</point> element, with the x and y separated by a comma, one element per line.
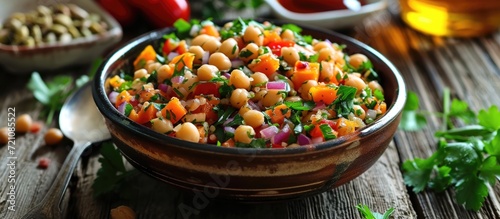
<point>251,175</point>
<point>336,19</point>
<point>45,58</point>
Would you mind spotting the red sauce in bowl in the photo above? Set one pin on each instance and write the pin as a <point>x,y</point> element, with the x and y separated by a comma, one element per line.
<point>312,6</point>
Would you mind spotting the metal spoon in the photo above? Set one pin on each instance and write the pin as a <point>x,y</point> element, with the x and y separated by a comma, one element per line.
<point>81,122</point>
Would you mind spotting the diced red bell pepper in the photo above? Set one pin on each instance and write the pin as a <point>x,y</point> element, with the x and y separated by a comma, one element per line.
<point>277,45</point>
<point>207,88</point>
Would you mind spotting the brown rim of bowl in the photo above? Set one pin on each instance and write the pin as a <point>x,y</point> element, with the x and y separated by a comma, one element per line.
<point>111,113</point>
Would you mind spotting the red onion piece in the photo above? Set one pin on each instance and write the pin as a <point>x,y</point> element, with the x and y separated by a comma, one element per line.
<point>253,105</point>
<point>235,63</point>
<point>282,136</point>
<point>276,85</point>
<point>269,132</point>
<point>112,96</point>
<point>227,75</point>
<point>303,139</point>
<point>172,55</point>
<point>317,140</point>
<point>121,108</point>
<point>205,57</point>
<point>228,121</point>
<point>177,79</point>
<point>163,87</point>
<point>319,106</point>
<point>229,129</point>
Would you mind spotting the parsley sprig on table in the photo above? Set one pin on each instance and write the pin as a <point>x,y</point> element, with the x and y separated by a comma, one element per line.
<point>467,157</point>
<point>112,174</point>
<point>367,213</point>
<point>52,93</point>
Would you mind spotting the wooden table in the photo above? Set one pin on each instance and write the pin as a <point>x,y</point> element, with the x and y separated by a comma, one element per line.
<point>469,67</point>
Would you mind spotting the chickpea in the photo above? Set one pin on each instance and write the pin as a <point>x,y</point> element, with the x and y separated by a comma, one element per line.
<point>230,48</point>
<point>141,73</point>
<point>253,34</point>
<point>259,95</point>
<point>253,118</point>
<point>161,125</point>
<point>359,111</point>
<point>4,135</point>
<point>320,45</point>
<point>23,123</point>
<point>188,132</point>
<point>239,97</point>
<point>152,67</point>
<point>287,35</point>
<point>304,89</point>
<point>200,40</point>
<point>357,60</point>
<point>53,136</point>
<point>374,85</point>
<point>239,79</point>
<point>206,72</point>
<point>198,53</point>
<point>251,51</point>
<point>122,212</point>
<point>290,55</point>
<point>326,54</point>
<point>244,109</point>
<point>326,73</point>
<point>244,134</point>
<point>211,45</point>
<point>356,82</point>
<point>163,73</point>
<point>271,98</point>
<point>220,60</point>
<point>259,79</point>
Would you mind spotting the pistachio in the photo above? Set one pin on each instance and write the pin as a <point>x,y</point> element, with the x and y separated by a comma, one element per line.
<point>63,9</point>
<point>50,24</point>
<point>44,10</point>
<point>36,32</point>
<point>74,32</point>
<point>65,38</point>
<point>96,28</point>
<point>50,38</point>
<point>77,12</point>
<point>63,19</point>
<point>58,29</point>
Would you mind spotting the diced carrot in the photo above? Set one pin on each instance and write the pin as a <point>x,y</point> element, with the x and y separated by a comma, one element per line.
<point>124,96</point>
<point>147,112</point>
<point>174,110</point>
<point>185,59</point>
<point>133,115</point>
<point>229,143</point>
<point>210,30</point>
<point>116,81</point>
<point>265,63</point>
<point>304,71</point>
<point>182,48</point>
<point>323,93</point>
<point>271,36</point>
<point>279,113</point>
<point>345,126</point>
<point>147,54</point>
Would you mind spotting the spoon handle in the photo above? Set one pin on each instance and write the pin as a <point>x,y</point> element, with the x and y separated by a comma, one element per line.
<point>50,206</point>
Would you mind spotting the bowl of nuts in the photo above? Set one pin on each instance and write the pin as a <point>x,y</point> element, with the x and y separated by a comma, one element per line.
<point>42,37</point>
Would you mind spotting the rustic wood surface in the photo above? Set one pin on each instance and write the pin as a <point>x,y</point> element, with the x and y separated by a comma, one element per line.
<point>469,67</point>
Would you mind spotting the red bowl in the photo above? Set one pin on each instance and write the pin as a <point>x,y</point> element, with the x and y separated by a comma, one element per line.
<point>249,174</point>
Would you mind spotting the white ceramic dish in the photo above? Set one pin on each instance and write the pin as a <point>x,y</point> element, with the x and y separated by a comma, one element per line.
<point>24,60</point>
<point>336,19</point>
